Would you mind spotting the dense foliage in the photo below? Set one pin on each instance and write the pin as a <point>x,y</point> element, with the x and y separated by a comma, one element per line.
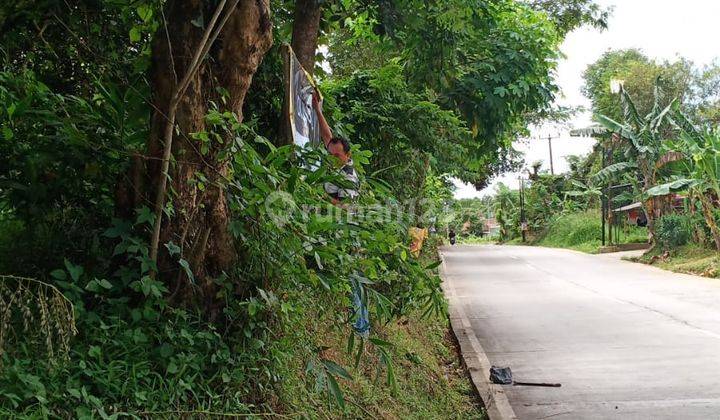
<point>409,134</point>
<point>639,75</point>
<point>673,231</point>
<point>491,63</point>
<point>441,90</point>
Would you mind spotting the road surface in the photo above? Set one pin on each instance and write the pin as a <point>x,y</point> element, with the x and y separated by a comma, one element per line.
<point>627,341</point>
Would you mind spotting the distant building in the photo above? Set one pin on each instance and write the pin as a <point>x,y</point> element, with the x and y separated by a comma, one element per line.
<point>672,203</point>
<point>491,228</point>
<point>635,214</point>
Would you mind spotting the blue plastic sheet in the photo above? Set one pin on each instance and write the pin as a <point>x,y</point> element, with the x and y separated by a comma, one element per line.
<point>361,315</point>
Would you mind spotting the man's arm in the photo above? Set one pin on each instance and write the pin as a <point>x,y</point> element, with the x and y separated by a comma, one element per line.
<point>325,132</point>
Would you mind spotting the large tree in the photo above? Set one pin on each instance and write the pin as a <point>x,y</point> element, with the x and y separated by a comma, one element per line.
<point>569,14</point>
<point>466,55</point>
<point>639,75</point>
<point>306,30</point>
<point>706,94</point>
<point>196,211</point>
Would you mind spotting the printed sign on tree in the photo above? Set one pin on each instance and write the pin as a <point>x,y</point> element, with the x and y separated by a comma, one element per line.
<point>304,126</point>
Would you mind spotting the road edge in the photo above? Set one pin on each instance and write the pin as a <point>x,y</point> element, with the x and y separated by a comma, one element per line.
<point>496,402</point>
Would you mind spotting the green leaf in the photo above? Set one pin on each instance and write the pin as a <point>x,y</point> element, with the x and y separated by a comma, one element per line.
<point>318,261</point>
<point>391,381</point>
<point>335,391</point>
<point>387,361</point>
<point>95,351</point>
<point>186,266</point>
<point>141,395</point>
<point>434,265</point>
<point>172,368</point>
<point>136,315</point>
<point>612,171</point>
<point>93,286</point>
<point>135,34</point>
<point>120,228</point>
<point>145,12</point>
<point>501,91</point>
<point>359,353</point>
<point>350,343</point>
<point>379,342</point>
<point>104,284</point>
<point>145,215</point>
<point>578,184</point>
<point>336,369</point>
<point>75,270</point>
<point>665,189</point>
<point>172,248</point>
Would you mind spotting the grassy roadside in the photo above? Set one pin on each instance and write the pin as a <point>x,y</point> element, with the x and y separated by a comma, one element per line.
<point>477,240</point>
<point>580,232</point>
<point>430,380</point>
<point>688,259</point>
<point>431,383</point>
<point>120,361</point>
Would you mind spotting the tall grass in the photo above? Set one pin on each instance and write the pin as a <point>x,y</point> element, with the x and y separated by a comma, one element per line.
<point>582,232</point>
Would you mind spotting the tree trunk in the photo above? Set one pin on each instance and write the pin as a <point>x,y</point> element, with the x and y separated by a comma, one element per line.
<point>710,219</point>
<point>200,217</point>
<point>650,208</point>
<point>698,231</point>
<point>306,29</point>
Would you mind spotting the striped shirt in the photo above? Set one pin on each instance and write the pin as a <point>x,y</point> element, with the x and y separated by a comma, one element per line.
<point>350,187</point>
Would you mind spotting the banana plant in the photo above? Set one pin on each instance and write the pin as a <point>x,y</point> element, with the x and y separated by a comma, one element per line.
<point>588,191</point>
<point>700,170</point>
<point>642,138</point>
<point>506,210</point>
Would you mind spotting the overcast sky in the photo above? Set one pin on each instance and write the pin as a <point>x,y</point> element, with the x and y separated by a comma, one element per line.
<point>663,29</point>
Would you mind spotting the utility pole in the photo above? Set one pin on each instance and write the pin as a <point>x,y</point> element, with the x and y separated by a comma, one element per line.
<point>609,198</point>
<point>552,168</point>
<point>550,138</point>
<point>523,223</point>
<point>603,203</point>
<point>616,88</point>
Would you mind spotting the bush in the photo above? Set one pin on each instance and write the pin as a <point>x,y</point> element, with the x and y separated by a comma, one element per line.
<point>673,230</point>
<point>576,230</point>
<point>135,353</point>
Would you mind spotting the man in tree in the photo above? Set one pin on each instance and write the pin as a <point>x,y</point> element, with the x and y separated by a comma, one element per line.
<point>340,148</point>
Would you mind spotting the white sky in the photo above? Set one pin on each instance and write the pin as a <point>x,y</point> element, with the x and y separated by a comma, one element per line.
<point>663,29</point>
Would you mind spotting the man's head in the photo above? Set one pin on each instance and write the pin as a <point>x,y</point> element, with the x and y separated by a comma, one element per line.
<point>340,148</point>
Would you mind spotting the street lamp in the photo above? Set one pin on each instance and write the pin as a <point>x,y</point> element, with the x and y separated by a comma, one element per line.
<point>616,86</point>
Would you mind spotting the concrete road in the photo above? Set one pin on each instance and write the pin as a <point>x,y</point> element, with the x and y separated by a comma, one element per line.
<point>627,341</point>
